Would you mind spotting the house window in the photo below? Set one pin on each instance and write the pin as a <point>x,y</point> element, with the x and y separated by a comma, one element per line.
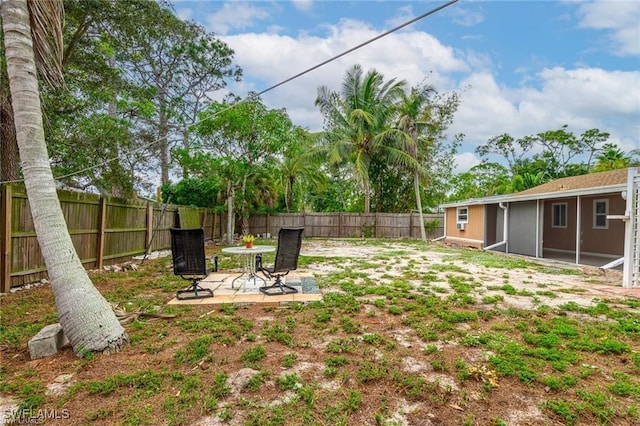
<point>559,219</point>
<point>463,215</point>
<point>600,211</point>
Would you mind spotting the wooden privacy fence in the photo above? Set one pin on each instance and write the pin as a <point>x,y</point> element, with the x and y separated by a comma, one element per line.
<point>350,225</point>
<point>104,231</point>
<point>107,230</point>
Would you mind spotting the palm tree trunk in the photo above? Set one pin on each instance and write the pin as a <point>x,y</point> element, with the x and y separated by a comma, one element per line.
<point>289,196</point>
<point>367,197</point>
<point>86,317</point>
<point>416,188</point>
<point>230,212</point>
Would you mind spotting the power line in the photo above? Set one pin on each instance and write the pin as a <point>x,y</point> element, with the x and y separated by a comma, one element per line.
<point>346,52</point>
<point>308,70</point>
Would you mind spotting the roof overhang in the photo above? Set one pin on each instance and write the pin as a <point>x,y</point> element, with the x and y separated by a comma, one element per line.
<point>512,198</point>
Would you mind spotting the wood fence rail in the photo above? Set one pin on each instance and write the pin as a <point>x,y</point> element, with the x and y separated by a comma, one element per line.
<point>107,230</point>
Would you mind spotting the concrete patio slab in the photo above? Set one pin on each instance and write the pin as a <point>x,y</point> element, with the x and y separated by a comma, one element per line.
<point>247,292</point>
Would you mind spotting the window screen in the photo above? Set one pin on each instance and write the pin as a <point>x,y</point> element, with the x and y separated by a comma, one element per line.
<point>463,215</point>
<point>559,215</point>
<point>600,211</point>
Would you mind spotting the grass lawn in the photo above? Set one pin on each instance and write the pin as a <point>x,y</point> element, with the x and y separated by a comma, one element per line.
<point>407,333</point>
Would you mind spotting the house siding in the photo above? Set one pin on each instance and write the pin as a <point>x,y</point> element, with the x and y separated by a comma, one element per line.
<point>473,233</point>
<point>560,238</point>
<point>608,241</point>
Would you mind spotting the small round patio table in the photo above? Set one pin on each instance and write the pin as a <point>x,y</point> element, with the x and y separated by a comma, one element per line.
<point>249,261</point>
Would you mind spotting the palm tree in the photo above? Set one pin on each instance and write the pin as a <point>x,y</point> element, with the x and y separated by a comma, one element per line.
<point>357,122</point>
<point>300,168</point>
<point>86,317</point>
<point>520,182</point>
<point>611,158</point>
<point>410,110</point>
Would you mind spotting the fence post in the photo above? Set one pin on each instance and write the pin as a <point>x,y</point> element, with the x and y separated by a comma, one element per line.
<point>102,219</point>
<point>149,232</point>
<point>377,234</point>
<point>213,225</point>
<point>410,224</point>
<point>340,225</point>
<point>5,231</point>
<point>268,224</point>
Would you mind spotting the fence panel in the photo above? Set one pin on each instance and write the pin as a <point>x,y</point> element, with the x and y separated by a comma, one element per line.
<point>277,221</point>
<point>259,224</point>
<point>393,225</point>
<point>26,262</point>
<point>322,225</point>
<point>125,229</point>
<point>165,217</point>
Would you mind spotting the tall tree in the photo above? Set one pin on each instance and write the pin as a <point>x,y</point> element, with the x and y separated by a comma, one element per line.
<point>86,318</point>
<point>358,123</point>
<point>556,152</point>
<point>564,147</point>
<point>611,157</point>
<point>299,170</point>
<point>423,116</point>
<point>82,123</point>
<point>410,112</point>
<point>242,137</point>
<point>481,180</point>
<point>556,155</point>
<point>512,150</point>
<point>178,65</point>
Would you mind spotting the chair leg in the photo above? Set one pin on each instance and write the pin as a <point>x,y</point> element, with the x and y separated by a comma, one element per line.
<point>280,286</point>
<point>194,292</point>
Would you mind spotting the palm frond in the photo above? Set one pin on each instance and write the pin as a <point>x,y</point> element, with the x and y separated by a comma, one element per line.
<point>46,18</point>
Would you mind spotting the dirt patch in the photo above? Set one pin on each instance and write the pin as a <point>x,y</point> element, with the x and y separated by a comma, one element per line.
<point>582,287</point>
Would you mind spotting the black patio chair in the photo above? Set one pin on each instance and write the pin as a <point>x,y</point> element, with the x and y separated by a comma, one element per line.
<point>287,254</point>
<point>190,262</point>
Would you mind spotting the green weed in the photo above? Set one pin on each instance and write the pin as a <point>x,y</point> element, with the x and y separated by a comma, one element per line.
<point>252,356</point>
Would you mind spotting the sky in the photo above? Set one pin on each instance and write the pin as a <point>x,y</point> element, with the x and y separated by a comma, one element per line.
<point>520,67</point>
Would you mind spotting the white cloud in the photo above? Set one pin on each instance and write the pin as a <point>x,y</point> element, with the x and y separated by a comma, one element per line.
<point>623,22</point>
<point>186,13</point>
<point>465,16</point>
<point>235,16</point>
<point>271,58</point>
<point>403,15</point>
<point>581,97</point>
<point>464,161</point>
<point>303,5</point>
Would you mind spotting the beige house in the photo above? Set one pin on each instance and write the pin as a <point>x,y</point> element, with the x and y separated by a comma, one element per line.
<point>594,216</point>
